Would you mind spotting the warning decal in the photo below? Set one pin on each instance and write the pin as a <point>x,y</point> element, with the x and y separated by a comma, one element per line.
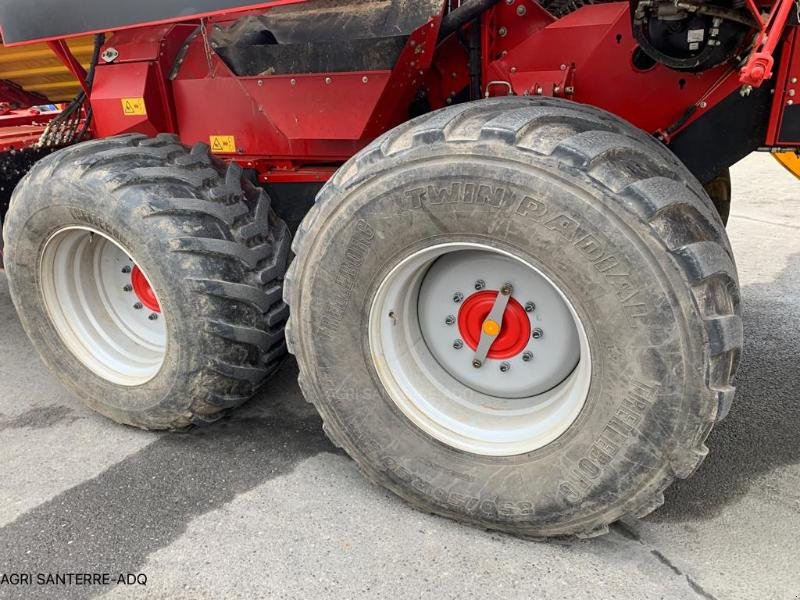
<point>134,107</point>
<point>223,144</point>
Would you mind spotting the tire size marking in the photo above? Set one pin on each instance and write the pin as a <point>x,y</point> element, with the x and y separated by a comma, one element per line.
<point>357,430</point>
<point>357,250</point>
<point>620,428</point>
<point>484,507</point>
<point>88,218</point>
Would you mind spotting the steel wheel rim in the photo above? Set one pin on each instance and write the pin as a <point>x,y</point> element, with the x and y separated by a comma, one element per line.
<point>89,295</point>
<point>435,396</point>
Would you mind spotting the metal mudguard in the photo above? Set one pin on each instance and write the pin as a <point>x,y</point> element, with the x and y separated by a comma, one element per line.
<point>322,36</point>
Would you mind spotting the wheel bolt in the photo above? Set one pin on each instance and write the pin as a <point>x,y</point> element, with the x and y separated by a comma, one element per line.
<point>458,344</point>
<point>127,288</point>
<point>477,364</point>
<point>507,289</point>
<point>480,284</point>
<point>458,297</point>
<point>537,333</point>
<point>505,367</point>
<point>153,316</point>
<point>450,320</point>
<point>530,307</point>
<point>138,306</point>
<point>126,269</point>
<point>527,357</point>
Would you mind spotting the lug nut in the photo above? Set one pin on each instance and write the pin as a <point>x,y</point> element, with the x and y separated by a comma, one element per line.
<point>127,288</point>
<point>537,333</point>
<point>477,364</point>
<point>530,307</point>
<point>521,10</point>
<point>126,269</point>
<point>450,320</point>
<point>458,344</point>
<point>138,306</point>
<point>458,297</point>
<point>153,317</point>
<point>507,289</point>
<point>527,357</point>
<point>480,284</point>
<point>505,367</point>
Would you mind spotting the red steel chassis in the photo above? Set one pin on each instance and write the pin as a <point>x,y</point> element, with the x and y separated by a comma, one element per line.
<point>301,127</point>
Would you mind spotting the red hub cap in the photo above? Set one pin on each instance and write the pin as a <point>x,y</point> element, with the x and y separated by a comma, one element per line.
<point>515,330</point>
<point>143,290</point>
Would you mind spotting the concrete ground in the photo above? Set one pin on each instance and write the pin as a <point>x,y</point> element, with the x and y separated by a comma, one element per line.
<point>262,506</point>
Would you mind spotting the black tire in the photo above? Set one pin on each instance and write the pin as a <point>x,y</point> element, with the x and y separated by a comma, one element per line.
<point>213,249</point>
<point>14,164</point>
<point>664,323</point>
<point>719,190</point>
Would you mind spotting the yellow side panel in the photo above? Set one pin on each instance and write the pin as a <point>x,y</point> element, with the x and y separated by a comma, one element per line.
<point>37,69</point>
<point>790,160</point>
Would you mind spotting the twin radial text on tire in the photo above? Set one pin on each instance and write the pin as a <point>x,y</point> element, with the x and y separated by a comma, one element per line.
<point>603,214</point>
<point>614,220</point>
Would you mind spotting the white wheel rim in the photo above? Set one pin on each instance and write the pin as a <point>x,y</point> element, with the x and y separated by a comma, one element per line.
<point>497,409</point>
<point>114,329</point>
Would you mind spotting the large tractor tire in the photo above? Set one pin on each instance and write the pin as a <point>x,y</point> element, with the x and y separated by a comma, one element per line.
<point>519,313</point>
<point>149,278</point>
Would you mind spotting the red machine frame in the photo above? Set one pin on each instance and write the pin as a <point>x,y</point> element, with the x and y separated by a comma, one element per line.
<point>166,77</point>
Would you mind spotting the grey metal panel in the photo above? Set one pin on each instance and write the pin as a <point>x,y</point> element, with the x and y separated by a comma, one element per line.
<point>30,20</point>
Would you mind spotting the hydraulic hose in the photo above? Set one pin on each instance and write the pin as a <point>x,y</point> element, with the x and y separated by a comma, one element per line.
<point>465,13</point>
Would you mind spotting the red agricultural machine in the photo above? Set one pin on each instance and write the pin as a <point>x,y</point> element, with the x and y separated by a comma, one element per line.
<point>510,293</point>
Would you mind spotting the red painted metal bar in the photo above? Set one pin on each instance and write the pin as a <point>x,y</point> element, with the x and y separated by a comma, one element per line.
<point>18,138</point>
<point>299,175</point>
<point>25,116</point>
<point>64,54</point>
<point>758,67</point>
<point>15,97</point>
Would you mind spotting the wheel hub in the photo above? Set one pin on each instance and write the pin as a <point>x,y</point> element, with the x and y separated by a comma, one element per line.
<point>503,356</point>
<point>143,290</point>
<point>513,334</point>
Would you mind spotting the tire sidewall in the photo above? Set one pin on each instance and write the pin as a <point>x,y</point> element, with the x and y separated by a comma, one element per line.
<point>646,346</point>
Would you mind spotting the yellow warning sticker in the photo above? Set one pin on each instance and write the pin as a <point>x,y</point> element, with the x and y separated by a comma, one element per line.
<point>223,144</point>
<point>134,107</point>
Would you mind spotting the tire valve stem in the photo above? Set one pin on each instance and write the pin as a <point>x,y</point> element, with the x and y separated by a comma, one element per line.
<point>505,367</point>
<point>537,334</point>
<point>450,320</point>
<point>138,306</point>
<point>458,344</point>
